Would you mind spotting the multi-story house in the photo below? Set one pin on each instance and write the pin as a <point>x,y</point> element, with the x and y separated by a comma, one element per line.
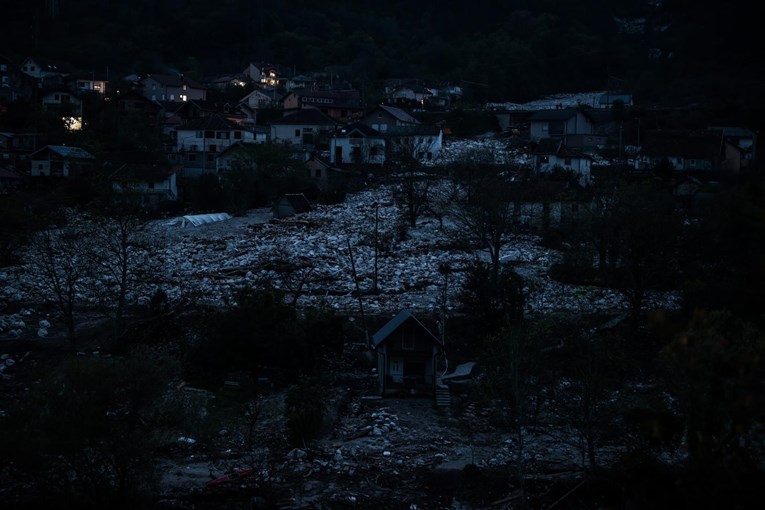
<point>60,161</point>
<point>304,129</point>
<point>199,141</point>
<point>357,144</point>
<point>166,87</point>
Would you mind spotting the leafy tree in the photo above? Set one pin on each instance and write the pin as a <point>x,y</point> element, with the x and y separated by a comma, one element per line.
<point>88,435</point>
<point>207,194</point>
<point>512,365</point>
<point>304,409</point>
<point>489,301</point>
<point>716,367</point>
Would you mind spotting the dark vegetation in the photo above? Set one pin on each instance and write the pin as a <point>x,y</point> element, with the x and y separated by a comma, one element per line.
<point>674,53</point>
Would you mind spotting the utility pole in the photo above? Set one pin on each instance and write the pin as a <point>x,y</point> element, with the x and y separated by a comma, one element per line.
<point>377,219</point>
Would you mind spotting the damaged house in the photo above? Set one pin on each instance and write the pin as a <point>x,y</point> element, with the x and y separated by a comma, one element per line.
<point>407,354</point>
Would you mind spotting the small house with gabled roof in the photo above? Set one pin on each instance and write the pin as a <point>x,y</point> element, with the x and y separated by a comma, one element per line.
<point>407,354</point>
<point>384,117</point>
<point>551,153</point>
<point>559,123</point>
<point>59,161</point>
<point>150,182</point>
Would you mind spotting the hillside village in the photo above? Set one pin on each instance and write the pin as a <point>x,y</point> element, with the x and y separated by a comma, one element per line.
<point>168,129</point>
<point>270,290</point>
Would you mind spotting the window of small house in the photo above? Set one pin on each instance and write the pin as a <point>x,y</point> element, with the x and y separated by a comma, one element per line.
<point>407,340</point>
<point>567,161</point>
<point>691,162</point>
<point>238,135</point>
<point>193,148</point>
<point>192,157</point>
<point>199,134</point>
<point>297,132</point>
<point>151,185</point>
<point>213,148</point>
<point>209,134</point>
<point>210,158</point>
<point>222,135</point>
<point>544,159</point>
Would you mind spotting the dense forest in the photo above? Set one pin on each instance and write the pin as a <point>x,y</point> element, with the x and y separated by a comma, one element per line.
<point>665,52</point>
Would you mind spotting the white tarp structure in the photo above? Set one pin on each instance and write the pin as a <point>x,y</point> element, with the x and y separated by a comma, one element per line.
<point>199,219</point>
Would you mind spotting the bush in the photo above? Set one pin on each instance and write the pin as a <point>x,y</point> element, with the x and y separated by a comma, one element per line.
<point>304,409</point>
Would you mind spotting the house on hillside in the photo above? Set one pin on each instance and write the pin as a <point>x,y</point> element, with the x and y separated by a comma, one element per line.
<point>8,80</point>
<point>414,95</point>
<point>233,154</point>
<point>405,135</point>
<point>259,100</point>
<point>199,141</point>
<point>82,82</point>
<point>305,128</point>
<point>741,146</point>
<point>684,150</point>
<point>341,105</point>
<point>559,123</point>
<point>10,179</point>
<point>550,154</point>
<point>147,182</point>
<point>46,73</point>
<point>60,161</point>
<point>357,143</point>
<point>300,82</point>
<point>168,87</point>
<point>324,173</point>
<point>15,148</point>
<point>262,74</point>
<point>62,98</point>
<point>544,204</point>
<point>407,356</point>
<point>384,117</point>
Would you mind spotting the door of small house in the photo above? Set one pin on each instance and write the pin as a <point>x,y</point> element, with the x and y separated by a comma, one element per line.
<point>396,370</point>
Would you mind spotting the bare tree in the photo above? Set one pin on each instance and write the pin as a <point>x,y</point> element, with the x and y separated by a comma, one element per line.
<point>59,264</point>
<point>119,258</point>
<point>487,219</point>
<point>412,193</point>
